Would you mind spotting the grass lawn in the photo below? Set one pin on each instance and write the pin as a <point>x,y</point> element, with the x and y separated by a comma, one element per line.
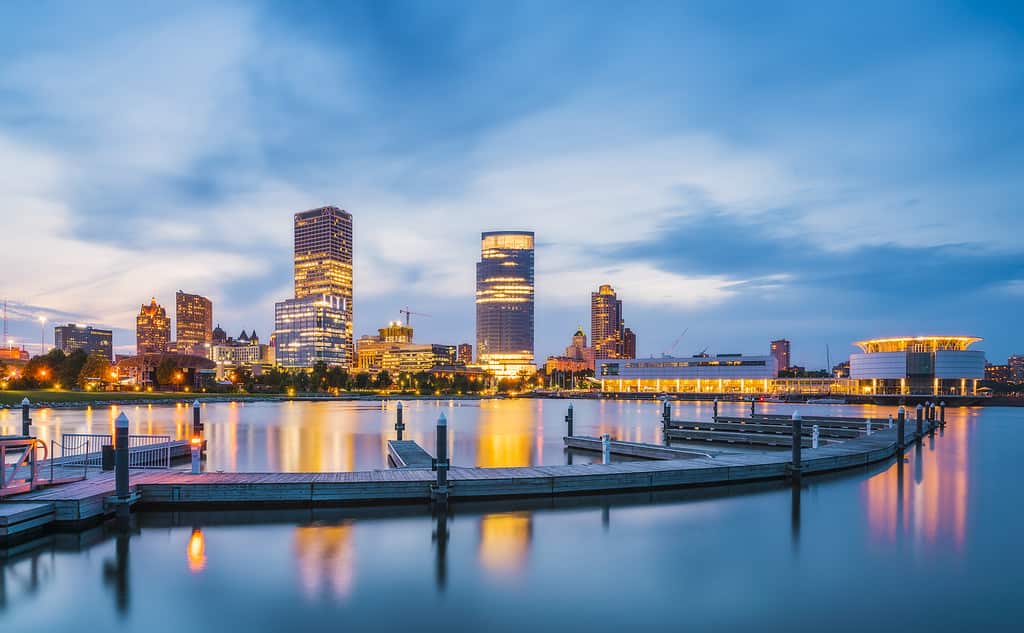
<point>60,395</point>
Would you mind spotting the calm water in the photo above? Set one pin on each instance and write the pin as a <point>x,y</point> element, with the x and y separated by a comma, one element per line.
<point>932,545</point>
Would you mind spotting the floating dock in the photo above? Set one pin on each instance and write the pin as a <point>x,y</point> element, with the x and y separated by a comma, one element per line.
<point>408,454</point>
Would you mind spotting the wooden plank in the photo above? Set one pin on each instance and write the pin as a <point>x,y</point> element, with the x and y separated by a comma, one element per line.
<point>408,454</point>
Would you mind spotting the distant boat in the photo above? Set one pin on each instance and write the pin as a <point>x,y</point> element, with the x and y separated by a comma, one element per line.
<point>826,401</point>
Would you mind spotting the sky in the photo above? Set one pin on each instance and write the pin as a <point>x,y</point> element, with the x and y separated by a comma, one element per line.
<point>824,172</point>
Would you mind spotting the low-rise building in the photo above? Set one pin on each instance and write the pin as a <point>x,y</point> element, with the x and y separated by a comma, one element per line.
<point>935,365</point>
<point>72,337</point>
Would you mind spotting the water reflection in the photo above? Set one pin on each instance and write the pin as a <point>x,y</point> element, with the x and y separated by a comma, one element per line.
<point>440,540</point>
<point>115,571</point>
<point>196,551</point>
<point>503,441</point>
<point>505,542</point>
<point>325,558</point>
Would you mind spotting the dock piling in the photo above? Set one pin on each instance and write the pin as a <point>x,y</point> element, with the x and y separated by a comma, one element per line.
<point>196,445</point>
<point>606,449</point>
<point>918,430</point>
<point>942,414</point>
<point>666,416</point>
<point>868,422</point>
<point>797,441</point>
<point>890,420</point>
<point>26,421</point>
<point>815,434</point>
<point>399,425</point>
<point>121,457</point>
<point>714,414</point>
<point>440,463</point>
<point>568,420</point>
<point>197,424</point>
<point>752,407</point>
<point>901,429</point>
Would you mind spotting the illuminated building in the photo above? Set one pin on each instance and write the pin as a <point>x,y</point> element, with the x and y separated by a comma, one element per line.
<point>310,330</point>
<point>12,352</point>
<point>244,351</point>
<point>152,329</point>
<point>997,373</point>
<point>393,350</point>
<point>219,336</point>
<point>1015,364</point>
<point>919,365</point>
<point>701,374</point>
<point>628,343</point>
<point>71,337</point>
<point>579,351</point>
<point>193,323</point>
<point>780,350</point>
<point>504,303</point>
<point>395,332</point>
<point>606,323</point>
<point>323,261</point>
<point>465,354</point>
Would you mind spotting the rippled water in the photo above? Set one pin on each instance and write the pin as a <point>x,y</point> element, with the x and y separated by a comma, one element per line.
<point>929,545</point>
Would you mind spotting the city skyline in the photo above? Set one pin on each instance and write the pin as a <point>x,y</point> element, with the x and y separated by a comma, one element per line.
<point>706,218</point>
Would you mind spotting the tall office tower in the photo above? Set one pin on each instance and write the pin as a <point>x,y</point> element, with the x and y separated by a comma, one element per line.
<point>780,350</point>
<point>606,323</point>
<point>504,303</point>
<point>1015,365</point>
<point>465,353</point>
<point>628,343</point>
<point>323,260</point>
<point>71,337</point>
<point>311,330</point>
<point>152,329</point>
<point>193,323</point>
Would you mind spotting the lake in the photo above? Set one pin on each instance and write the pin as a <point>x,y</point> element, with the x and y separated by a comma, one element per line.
<point>931,545</point>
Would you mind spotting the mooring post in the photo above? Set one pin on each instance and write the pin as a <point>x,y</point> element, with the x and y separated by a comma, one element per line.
<point>666,416</point>
<point>814,436</point>
<point>752,408</point>
<point>890,420</point>
<point>868,421</point>
<point>901,421</point>
<point>920,422</point>
<point>196,444</point>
<point>197,424</point>
<point>440,463</point>
<point>942,414</point>
<point>399,425</point>
<point>797,443</point>
<point>606,449</point>
<point>714,414</point>
<point>26,421</point>
<point>121,457</point>
<point>568,420</point>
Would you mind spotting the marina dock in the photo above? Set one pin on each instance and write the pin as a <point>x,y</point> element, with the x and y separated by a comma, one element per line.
<point>408,454</point>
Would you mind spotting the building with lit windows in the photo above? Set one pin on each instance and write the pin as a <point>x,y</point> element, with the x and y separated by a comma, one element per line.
<point>193,316</point>
<point>311,330</point>
<point>780,350</point>
<point>723,373</point>
<point>72,337</point>
<point>152,329</point>
<point>628,343</point>
<point>392,350</point>
<point>606,323</point>
<point>1015,365</point>
<point>504,303</point>
<point>465,354</point>
<point>909,365</point>
<point>323,260</point>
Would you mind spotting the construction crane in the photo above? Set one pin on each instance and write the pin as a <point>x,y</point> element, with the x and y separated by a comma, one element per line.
<point>408,313</point>
<point>675,343</point>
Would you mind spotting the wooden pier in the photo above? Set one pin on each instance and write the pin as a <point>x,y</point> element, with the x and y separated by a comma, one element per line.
<point>408,454</point>
<point>746,425</point>
<point>635,449</point>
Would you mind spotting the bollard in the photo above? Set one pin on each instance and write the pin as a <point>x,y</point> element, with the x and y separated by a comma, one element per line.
<point>751,407</point>
<point>920,422</point>
<point>440,463</point>
<point>26,421</point>
<point>568,420</point>
<point>797,442</point>
<point>606,449</point>
<point>942,414</point>
<point>901,419</point>
<point>869,425</point>
<point>197,425</point>
<point>714,414</point>
<point>121,457</point>
<point>666,415</point>
<point>399,425</point>
<point>197,450</point>
<point>814,436</point>
<point>890,420</point>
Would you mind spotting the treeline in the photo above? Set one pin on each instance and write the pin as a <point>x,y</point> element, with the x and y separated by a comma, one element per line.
<point>56,370</point>
<point>324,379</point>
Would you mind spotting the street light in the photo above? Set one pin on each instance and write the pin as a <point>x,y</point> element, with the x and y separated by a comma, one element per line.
<point>42,334</point>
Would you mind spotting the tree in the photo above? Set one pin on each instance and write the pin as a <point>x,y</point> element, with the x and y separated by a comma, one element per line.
<point>164,374</point>
<point>96,367</point>
<point>72,366</point>
<point>383,380</point>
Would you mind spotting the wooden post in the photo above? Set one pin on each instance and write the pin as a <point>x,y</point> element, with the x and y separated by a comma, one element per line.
<point>901,420</point>
<point>26,421</point>
<point>568,420</point>
<point>942,414</point>
<point>797,443</point>
<point>441,461</point>
<point>919,429</point>
<point>399,425</point>
<point>121,483</point>
<point>606,449</point>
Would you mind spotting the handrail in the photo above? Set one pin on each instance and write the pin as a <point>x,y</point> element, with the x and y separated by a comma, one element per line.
<point>63,449</point>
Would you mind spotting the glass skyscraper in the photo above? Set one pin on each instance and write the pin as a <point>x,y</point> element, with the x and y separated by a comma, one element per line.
<point>606,323</point>
<point>193,323</point>
<point>310,330</point>
<point>323,260</point>
<point>504,303</point>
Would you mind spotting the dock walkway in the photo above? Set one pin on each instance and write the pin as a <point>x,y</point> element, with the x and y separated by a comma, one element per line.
<point>408,454</point>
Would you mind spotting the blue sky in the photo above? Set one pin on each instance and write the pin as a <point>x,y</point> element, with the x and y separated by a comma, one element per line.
<point>819,171</point>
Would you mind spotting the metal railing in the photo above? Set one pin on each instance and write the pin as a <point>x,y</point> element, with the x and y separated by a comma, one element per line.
<point>149,451</point>
<point>17,465</point>
<point>144,451</point>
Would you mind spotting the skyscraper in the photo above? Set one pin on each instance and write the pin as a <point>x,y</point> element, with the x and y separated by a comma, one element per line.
<point>193,323</point>
<point>152,329</point>
<point>504,303</point>
<point>71,337</point>
<point>465,353</point>
<point>606,323</point>
<point>780,350</point>
<point>323,260</point>
<point>311,330</point>
<point>628,343</point>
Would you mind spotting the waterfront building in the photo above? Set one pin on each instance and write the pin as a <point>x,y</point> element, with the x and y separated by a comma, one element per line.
<point>700,374</point>
<point>465,354</point>
<point>193,323</point>
<point>565,364</point>
<point>152,329</point>
<point>72,337</point>
<point>918,365</point>
<point>504,303</point>
<point>323,261</point>
<point>606,323</point>
<point>311,330</point>
<point>997,373</point>
<point>244,351</point>
<point>780,350</point>
<point>1015,364</point>
<point>190,371</point>
<point>416,357</point>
